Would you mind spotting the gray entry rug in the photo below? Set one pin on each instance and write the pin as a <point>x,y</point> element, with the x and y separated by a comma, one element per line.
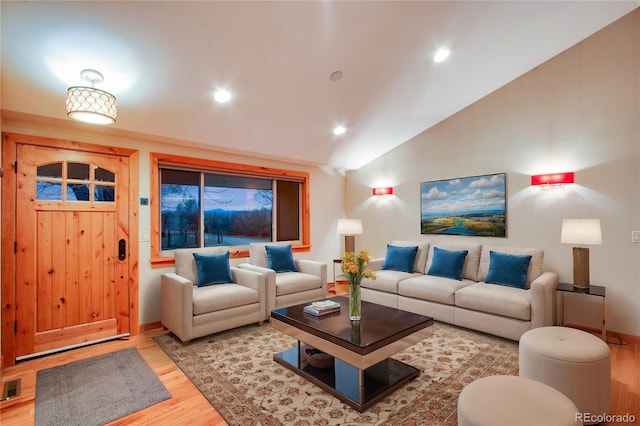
<point>235,371</point>
<point>97,390</point>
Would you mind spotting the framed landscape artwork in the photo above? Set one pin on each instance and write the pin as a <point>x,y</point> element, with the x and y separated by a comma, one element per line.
<point>473,205</point>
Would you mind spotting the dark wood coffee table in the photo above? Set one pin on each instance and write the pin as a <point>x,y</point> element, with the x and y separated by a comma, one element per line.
<point>362,372</point>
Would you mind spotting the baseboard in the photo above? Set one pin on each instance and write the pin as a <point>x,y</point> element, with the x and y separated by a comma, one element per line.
<point>150,326</point>
<point>614,337</point>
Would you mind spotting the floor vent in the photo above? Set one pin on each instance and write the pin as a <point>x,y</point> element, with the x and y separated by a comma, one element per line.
<point>11,389</point>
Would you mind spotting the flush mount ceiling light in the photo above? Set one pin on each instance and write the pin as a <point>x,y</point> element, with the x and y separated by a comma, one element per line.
<point>441,55</point>
<point>91,105</point>
<point>222,96</point>
<point>339,130</point>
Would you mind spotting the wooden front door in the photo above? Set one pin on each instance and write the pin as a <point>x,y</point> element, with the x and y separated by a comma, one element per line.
<point>72,248</point>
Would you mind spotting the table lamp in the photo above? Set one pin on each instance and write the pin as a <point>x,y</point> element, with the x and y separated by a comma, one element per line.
<point>582,232</point>
<point>349,228</point>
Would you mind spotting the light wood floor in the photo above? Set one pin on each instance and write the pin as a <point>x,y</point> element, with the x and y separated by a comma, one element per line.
<point>188,406</point>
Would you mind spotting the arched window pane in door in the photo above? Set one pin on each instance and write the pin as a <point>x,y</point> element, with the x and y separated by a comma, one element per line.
<point>104,193</point>
<point>103,175</point>
<point>50,171</point>
<point>49,191</point>
<point>77,192</point>
<point>78,171</point>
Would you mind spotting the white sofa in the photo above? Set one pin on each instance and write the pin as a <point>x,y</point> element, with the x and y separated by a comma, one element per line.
<point>284,289</point>
<point>472,303</point>
<point>190,311</point>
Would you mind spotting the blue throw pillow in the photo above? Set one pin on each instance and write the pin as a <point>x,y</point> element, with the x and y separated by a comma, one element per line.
<point>213,268</point>
<point>400,258</point>
<point>508,269</point>
<point>447,263</point>
<point>280,258</point>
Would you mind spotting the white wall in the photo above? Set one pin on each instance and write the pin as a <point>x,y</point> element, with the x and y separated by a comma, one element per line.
<point>578,112</point>
<point>326,195</point>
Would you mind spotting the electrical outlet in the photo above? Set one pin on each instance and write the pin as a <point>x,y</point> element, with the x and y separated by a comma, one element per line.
<point>145,236</point>
<point>635,236</point>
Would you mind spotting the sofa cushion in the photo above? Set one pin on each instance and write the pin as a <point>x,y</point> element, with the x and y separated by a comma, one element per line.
<point>222,296</point>
<point>432,288</point>
<point>295,282</point>
<point>213,268</point>
<point>535,266</point>
<point>387,281</point>
<point>496,299</point>
<point>186,264</point>
<point>280,258</point>
<point>420,264</point>
<point>470,267</point>
<point>508,269</point>
<point>399,258</point>
<point>447,263</point>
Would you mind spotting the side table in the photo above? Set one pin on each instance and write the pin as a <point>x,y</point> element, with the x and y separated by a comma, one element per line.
<point>593,290</point>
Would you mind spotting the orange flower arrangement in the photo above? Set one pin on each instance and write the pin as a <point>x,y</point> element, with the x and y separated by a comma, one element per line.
<point>354,267</point>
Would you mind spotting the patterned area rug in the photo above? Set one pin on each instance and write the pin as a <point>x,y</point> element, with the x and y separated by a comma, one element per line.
<point>235,371</point>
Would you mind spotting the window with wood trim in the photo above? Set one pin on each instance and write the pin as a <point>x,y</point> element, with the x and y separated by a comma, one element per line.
<point>200,203</point>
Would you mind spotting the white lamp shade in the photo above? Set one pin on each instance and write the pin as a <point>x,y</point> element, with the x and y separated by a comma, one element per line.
<point>91,105</point>
<point>349,227</point>
<point>581,231</point>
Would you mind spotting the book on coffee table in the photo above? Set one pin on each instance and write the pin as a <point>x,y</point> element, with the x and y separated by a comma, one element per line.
<point>319,311</point>
<point>323,305</point>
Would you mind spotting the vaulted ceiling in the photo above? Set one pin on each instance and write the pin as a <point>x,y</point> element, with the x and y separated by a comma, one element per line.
<point>163,61</point>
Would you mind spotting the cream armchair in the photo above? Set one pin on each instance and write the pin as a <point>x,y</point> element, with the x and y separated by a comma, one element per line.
<point>307,283</point>
<point>190,311</point>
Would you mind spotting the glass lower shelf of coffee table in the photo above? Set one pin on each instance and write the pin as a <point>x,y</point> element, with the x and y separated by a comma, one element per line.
<point>360,389</point>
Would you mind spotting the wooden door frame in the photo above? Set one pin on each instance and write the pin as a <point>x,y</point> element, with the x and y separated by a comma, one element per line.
<point>10,142</point>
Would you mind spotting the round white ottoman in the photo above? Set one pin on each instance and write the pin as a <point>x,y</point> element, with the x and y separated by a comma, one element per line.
<point>514,401</point>
<point>575,362</point>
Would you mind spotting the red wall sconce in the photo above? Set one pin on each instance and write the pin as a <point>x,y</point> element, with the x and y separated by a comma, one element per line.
<point>552,179</point>
<point>383,191</point>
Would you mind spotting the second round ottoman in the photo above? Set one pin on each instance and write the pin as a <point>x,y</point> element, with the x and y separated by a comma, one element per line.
<point>575,362</point>
<point>514,401</point>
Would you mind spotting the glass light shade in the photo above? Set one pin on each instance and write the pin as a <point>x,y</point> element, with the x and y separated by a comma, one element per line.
<point>349,227</point>
<point>91,105</point>
<point>388,190</point>
<point>581,231</point>
<point>553,179</point>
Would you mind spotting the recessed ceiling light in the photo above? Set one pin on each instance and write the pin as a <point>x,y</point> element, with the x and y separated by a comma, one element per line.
<point>441,55</point>
<point>339,130</point>
<point>222,96</point>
